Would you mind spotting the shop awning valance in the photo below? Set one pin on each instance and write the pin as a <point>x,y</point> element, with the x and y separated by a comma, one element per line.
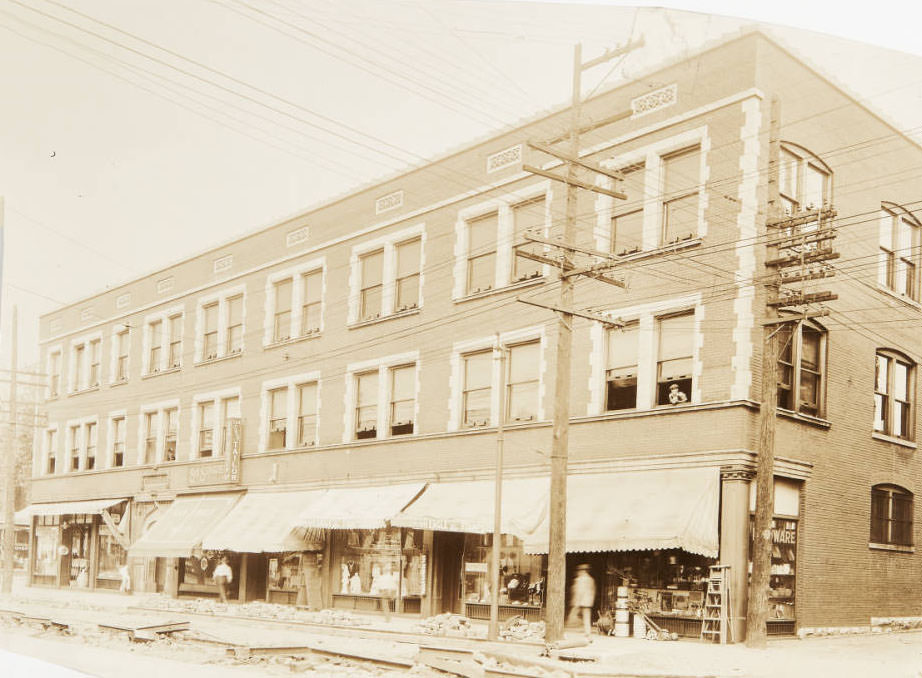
<point>468,507</point>
<point>183,525</point>
<point>62,508</point>
<point>358,508</point>
<point>675,508</point>
<point>264,522</point>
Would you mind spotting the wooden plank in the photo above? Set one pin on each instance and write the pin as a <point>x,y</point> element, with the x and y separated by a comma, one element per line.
<point>168,627</point>
<point>467,669</point>
<point>587,164</point>
<point>585,185</point>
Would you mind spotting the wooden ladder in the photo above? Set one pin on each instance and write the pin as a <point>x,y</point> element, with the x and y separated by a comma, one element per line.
<point>715,625</point>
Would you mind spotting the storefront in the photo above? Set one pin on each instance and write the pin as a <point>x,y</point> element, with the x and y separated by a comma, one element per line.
<point>522,578</point>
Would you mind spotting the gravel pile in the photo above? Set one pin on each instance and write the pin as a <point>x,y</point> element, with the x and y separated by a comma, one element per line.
<point>447,624</point>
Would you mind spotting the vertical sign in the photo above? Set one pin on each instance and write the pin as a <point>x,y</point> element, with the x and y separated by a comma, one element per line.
<point>232,458</point>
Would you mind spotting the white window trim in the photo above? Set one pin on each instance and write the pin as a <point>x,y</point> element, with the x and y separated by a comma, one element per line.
<point>888,214</point>
<point>290,383</point>
<point>159,408</point>
<point>110,438</point>
<point>652,158</point>
<point>505,234</point>
<point>218,437</point>
<point>645,315</point>
<point>63,379</point>
<point>381,365</point>
<point>462,348</point>
<point>220,298</point>
<point>164,317</point>
<point>388,243</point>
<point>68,445</point>
<point>113,353</point>
<point>47,453</point>
<point>297,275</point>
<point>72,386</point>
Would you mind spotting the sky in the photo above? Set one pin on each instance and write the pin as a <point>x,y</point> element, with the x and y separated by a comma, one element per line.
<point>136,134</point>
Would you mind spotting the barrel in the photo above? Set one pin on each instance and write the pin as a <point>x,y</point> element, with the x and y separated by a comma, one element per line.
<point>640,627</point>
<point>622,624</point>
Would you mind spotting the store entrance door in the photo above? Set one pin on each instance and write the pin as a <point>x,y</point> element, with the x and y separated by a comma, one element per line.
<point>446,582</point>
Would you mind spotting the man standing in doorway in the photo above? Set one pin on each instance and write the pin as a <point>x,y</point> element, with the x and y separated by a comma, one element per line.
<point>582,597</point>
<point>223,575</point>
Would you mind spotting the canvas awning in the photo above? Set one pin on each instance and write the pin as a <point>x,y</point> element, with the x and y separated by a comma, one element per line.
<point>62,508</point>
<point>183,525</point>
<point>264,522</point>
<point>674,508</point>
<point>358,508</point>
<point>468,507</point>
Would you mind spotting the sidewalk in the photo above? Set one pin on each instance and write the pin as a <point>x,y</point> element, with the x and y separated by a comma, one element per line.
<point>895,655</point>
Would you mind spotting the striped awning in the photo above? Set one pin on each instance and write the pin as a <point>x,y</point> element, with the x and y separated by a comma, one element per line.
<point>468,507</point>
<point>674,508</point>
<point>265,522</point>
<point>358,508</point>
<point>183,526</point>
<point>62,508</point>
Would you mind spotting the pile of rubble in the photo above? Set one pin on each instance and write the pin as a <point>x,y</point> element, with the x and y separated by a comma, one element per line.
<point>447,624</point>
<point>494,664</point>
<point>519,628</point>
<point>256,610</point>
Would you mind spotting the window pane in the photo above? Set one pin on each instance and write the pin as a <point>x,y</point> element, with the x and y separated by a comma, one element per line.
<point>313,287</point>
<point>676,336</point>
<point>622,348</point>
<point>810,356</point>
<point>211,317</point>
<point>900,380</point>
<point>523,401</point>
<point>206,414</point>
<point>371,302</point>
<point>627,232</point>
<point>232,408</point>
<point>481,273</point>
<point>367,388</point>
<point>283,296</point>
<point>680,172</point>
<point>882,372</point>
<point>372,268</point>
<point>234,311</point>
<point>408,292</point>
<point>788,174</point>
<point>880,412</point>
<point>176,328</point>
<point>815,181</point>
<point>156,333</point>
<point>404,382</point>
<point>523,362</point>
<point>527,217</point>
<point>477,407</point>
<point>408,258</point>
<point>478,370</point>
<point>482,234</point>
<point>680,219</point>
<point>279,404</point>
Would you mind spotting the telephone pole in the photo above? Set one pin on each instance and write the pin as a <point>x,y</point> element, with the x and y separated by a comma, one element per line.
<point>556,586</point>
<point>9,476</point>
<point>798,246</point>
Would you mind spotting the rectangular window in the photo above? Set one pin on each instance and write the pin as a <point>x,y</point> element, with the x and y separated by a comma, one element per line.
<point>282,326</point>
<point>312,305</point>
<point>372,285</point>
<point>307,415</point>
<point>235,324</point>
<point>627,222</point>
<point>171,419</point>
<point>210,335</point>
<point>810,371</point>
<point>366,408</point>
<point>478,380</point>
<point>891,516</point>
<point>54,381</point>
<point>278,418</point>
<point>155,331</point>
<point>681,172</point>
<point>95,361</point>
<point>79,354</point>
<point>803,184</point>
<point>206,429</point>
<point>528,217</point>
<point>118,442</point>
<point>151,435</point>
<point>403,399</point>
<point>481,253</point>
<point>522,388</point>
<point>90,437</point>
<point>801,359</point>
<point>892,396</point>
<point>231,411</point>
<point>121,360</point>
<point>408,259</point>
<point>175,357</point>
<point>74,448</point>
<point>899,258</point>
<point>621,371</point>
<point>674,365</point>
<point>51,441</point>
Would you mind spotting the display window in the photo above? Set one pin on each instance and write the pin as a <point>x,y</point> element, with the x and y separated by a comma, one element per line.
<point>285,571</point>
<point>782,577</point>
<point>111,555</point>
<point>195,572</point>
<point>521,576</point>
<point>47,544</point>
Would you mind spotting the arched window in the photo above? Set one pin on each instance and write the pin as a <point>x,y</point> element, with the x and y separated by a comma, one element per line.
<point>898,266</point>
<point>893,394</point>
<point>805,181</point>
<point>891,515</point>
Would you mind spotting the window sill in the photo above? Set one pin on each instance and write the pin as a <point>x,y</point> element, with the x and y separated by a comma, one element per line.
<point>893,548</point>
<point>902,442</point>
<point>528,282</point>
<point>84,390</point>
<point>899,297</point>
<point>151,375</point>
<point>218,359</point>
<point>819,422</point>
<point>372,321</point>
<point>662,249</point>
<point>293,340</point>
<point>120,382</point>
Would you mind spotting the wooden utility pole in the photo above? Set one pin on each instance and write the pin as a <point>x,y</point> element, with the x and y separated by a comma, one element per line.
<point>500,356</point>
<point>556,581</point>
<point>801,242</point>
<point>9,476</point>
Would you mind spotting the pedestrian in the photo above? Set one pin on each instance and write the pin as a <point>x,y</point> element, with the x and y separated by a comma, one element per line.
<point>125,586</point>
<point>223,575</point>
<point>387,588</point>
<point>582,597</point>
